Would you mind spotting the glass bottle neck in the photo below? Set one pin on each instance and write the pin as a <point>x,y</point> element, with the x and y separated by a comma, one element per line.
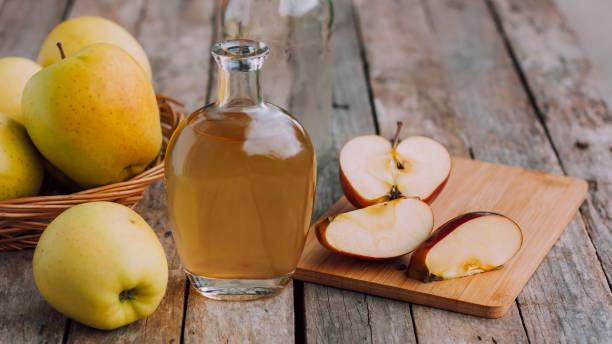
<point>239,88</point>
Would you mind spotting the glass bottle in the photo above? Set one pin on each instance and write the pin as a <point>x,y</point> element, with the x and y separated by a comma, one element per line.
<point>240,182</point>
<point>298,72</point>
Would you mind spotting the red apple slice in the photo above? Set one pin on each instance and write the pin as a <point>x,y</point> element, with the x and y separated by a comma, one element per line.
<point>373,171</point>
<point>380,231</point>
<point>466,245</point>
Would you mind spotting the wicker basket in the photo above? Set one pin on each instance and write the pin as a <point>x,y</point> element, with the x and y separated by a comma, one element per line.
<point>23,220</point>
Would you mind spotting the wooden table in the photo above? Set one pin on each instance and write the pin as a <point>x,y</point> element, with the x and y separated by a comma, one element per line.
<point>502,81</point>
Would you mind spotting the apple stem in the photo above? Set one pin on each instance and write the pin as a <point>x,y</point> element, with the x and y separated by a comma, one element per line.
<point>397,132</point>
<point>127,295</point>
<point>61,50</point>
<point>395,141</point>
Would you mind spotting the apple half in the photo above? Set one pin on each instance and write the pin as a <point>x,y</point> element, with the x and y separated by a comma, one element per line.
<point>468,244</point>
<point>372,170</point>
<point>381,231</point>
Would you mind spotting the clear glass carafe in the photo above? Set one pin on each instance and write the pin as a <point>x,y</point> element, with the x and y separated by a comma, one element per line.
<point>298,71</point>
<point>240,184</point>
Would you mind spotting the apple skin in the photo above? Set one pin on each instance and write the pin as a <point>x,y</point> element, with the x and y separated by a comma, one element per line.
<point>94,116</point>
<point>432,196</point>
<point>14,73</point>
<point>78,33</point>
<point>359,202</point>
<point>21,166</point>
<point>93,253</point>
<point>417,268</point>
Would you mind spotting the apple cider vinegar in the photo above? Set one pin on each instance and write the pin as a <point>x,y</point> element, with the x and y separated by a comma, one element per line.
<point>239,213</point>
<point>240,183</point>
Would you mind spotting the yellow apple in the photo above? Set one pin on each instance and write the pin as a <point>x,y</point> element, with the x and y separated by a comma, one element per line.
<point>77,33</point>
<point>21,167</point>
<point>101,264</point>
<point>14,73</point>
<point>94,116</point>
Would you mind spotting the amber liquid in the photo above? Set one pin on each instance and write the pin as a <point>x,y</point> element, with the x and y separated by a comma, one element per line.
<point>240,190</point>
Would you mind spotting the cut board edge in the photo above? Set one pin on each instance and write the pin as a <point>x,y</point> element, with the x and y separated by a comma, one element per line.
<point>407,295</point>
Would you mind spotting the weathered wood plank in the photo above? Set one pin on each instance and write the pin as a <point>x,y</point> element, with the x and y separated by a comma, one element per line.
<point>590,21</point>
<point>558,73</point>
<point>25,316</point>
<point>125,13</point>
<point>267,320</point>
<point>177,36</point>
<point>410,83</point>
<point>334,315</point>
<point>499,125</point>
<point>597,215</point>
<point>341,316</point>
<point>579,122</point>
<point>164,325</point>
<point>25,24</point>
<point>502,126</point>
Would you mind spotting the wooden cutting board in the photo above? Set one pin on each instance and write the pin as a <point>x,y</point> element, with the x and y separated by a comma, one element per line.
<point>542,204</point>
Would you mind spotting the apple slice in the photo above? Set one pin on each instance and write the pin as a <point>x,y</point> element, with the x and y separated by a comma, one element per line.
<point>386,230</point>
<point>466,245</point>
<point>372,170</point>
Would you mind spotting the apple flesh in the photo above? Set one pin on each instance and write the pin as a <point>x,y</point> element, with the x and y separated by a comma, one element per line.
<point>381,231</point>
<point>468,244</point>
<point>372,170</point>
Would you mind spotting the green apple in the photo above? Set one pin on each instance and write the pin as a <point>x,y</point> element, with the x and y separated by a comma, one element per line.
<point>21,167</point>
<point>78,33</point>
<point>101,264</point>
<point>14,73</point>
<point>94,116</point>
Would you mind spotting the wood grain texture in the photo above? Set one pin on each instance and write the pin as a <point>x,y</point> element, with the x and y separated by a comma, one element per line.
<point>559,76</point>
<point>341,316</point>
<point>410,83</point>
<point>497,122</point>
<point>267,320</point>
<point>579,122</point>
<point>334,315</point>
<point>440,326</point>
<point>178,35</point>
<point>558,73</point>
<point>125,13</point>
<point>25,24</point>
<point>530,198</point>
<point>25,317</point>
<point>509,131</point>
<point>597,214</point>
